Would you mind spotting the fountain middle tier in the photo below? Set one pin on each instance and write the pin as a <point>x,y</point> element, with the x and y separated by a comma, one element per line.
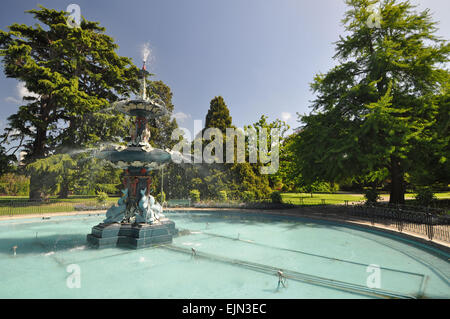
<point>136,156</point>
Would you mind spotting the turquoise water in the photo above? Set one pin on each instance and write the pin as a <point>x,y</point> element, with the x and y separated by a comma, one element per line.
<point>237,256</point>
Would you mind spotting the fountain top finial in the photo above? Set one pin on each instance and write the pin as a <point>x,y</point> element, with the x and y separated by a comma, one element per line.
<point>142,106</point>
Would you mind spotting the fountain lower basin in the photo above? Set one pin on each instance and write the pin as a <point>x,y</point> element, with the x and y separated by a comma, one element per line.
<point>237,257</point>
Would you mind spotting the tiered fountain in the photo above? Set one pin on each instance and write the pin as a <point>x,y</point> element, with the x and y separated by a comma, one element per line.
<point>137,220</point>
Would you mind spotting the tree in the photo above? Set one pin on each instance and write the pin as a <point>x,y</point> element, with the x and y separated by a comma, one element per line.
<point>73,74</point>
<point>431,154</point>
<point>162,127</point>
<point>288,173</point>
<point>91,176</point>
<point>376,107</point>
<point>5,161</point>
<point>52,172</point>
<point>209,178</point>
<point>234,178</point>
<point>263,126</point>
<point>218,115</point>
<point>14,184</point>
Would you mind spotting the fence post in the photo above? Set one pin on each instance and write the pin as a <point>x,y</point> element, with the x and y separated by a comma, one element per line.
<point>430,226</point>
<point>400,220</point>
<point>372,214</point>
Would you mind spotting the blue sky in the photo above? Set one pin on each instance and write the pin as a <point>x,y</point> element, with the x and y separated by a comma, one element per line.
<point>259,55</point>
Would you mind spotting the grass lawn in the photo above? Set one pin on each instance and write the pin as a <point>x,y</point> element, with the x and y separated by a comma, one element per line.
<point>18,205</point>
<point>316,199</point>
<point>445,195</point>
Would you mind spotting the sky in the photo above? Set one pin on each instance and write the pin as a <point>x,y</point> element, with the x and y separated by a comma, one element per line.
<point>259,55</point>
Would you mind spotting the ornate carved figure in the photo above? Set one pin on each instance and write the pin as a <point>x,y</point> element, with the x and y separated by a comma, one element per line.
<point>117,213</point>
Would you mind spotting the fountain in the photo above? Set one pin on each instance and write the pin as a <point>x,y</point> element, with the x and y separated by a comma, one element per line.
<point>137,220</point>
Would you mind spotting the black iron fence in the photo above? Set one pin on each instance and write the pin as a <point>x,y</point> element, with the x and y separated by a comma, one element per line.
<point>431,224</point>
<point>414,208</point>
<point>22,207</point>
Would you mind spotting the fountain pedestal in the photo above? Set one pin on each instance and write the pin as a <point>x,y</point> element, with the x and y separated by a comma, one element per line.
<point>132,235</point>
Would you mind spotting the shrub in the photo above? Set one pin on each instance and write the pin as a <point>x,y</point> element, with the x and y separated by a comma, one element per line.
<point>107,188</point>
<point>101,198</point>
<point>161,199</point>
<point>276,197</point>
<point>248,196</point>
<point>14,184</point>
<point>425,196</point>
<point>371,196</point>
<point>194,195</point>
<point>222,195</point>
<point>318,187</point>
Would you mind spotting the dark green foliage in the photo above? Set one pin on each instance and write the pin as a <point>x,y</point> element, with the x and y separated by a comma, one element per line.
<point>107,188</point>
<point>101,198</point>
<point>161,129</point>
<point>161,199</point>
<point>425,196</point>
<point>372,196</point>
<point>248,178</point>
<point>276,197</point>
<point>218,115</point>
<point>317,187</point>
<point>6,161</point>
<point>234,178</point>
<point>222,196</point>
<point>50,173</point>
<point>194,195</point>
<point>14,184</point>
<point>248,196</point>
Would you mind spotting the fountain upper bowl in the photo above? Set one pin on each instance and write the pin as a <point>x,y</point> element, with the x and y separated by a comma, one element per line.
<point>148,108</point>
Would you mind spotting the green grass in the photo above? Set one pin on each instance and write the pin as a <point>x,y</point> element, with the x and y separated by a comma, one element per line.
<point>36,209</point>
<point>306,199</point>
<point>56,205</point>
<point>317,199</point>
<point>445,195</point>
<point>442,195</point>
<point>20,205</point>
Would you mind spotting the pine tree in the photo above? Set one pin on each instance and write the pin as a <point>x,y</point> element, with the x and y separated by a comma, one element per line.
<point>74,73</point>
<point>375,107</point>
<point>218,115</point>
